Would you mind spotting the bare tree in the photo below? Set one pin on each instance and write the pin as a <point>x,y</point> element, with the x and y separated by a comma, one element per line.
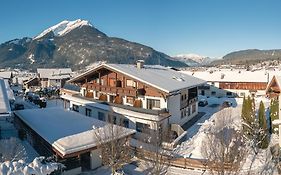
<point>12,150</point>
<point>224,146</point>
<point>114,145</point>
<point>157,158</point>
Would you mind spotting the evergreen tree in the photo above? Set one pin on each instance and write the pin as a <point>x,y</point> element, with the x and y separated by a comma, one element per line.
<point>273,114</point>
<point>263,139</point>
<point>248,117</point>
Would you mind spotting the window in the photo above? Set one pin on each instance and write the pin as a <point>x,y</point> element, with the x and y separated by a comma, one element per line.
<point>183,113</point>
<point>131,83</point>
<point>126,123</point>
<point>114,120</point>
<point>193,108</point>
<point>97,94</point>
<point>229,93</point>
<point>118,83</point>
<point>101,116</point>
<point>141,127</point>
<point>183,97</point>
<point>88,112</point>
<point>213,92</point>
<point>75,108</point>
<point>111,98</point>
<point>102,82</point>
<point>188,111</point>
<point>130,100</point>
<point>242,94</point>
<point>213,83</point>
<point>112,82</point>
<point>97,80</point>
<point>66,104</point>
<point>152,103</point>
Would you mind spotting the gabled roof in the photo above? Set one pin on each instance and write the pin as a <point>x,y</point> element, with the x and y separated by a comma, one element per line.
<point>30,80</point>
<point>276,79</point>
<point>160,77</point>
<point>233,75</point>
<point>6,75</point>
<point>61,73</point>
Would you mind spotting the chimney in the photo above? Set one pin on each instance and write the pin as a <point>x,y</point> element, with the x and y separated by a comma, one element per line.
<point>140,64</point>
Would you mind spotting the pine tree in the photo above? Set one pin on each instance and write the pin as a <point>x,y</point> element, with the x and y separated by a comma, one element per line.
<point>263,139</point>
<point>273,114</point>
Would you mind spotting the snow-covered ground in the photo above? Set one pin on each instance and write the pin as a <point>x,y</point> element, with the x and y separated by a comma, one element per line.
<point>192,147</point>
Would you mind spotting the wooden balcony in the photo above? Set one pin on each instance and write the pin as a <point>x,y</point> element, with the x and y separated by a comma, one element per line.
<point>108,89</point>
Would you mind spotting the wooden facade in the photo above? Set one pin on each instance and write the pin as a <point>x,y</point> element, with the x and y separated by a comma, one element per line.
<point>106,81</point>
<point>251,86</point>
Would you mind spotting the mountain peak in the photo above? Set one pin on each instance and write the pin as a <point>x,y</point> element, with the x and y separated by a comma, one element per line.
<point>190,55</point>
<point>192,59</point>
<point>64,27</point>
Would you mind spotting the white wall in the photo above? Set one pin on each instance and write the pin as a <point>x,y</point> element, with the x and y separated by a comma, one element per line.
<point>132,118</point>
<point>173,106</point>
<point>96,159</point>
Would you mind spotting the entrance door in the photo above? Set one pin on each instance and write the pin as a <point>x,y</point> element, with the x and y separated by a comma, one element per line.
<point>85,161</point>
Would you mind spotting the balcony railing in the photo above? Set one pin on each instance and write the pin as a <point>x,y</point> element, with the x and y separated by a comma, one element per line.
<point>161,112</point>
<point>109,89</point>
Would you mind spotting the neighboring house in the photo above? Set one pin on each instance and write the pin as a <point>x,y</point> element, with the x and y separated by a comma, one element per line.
<point>66,135</point>
<point>54,77</point>
<point>31,84</point>
<point>273,91</point>
<point>7,75</point>
<point>233,83</point>
<point>273,88</point>
<point>5,109</point>
<point>136,96</point>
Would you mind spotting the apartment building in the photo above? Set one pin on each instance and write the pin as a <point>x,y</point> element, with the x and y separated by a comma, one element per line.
<point>136,96</point>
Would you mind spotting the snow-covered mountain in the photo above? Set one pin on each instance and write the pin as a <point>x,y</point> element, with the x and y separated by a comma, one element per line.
<point>76,44</point>
<point>193,59</point>
<point>64,27</point>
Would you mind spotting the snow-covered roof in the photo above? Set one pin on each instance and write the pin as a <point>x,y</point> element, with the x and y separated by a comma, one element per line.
<point>4,100</point>
<point>67,131</point>
<point>234,75</point>
<point>160,77</point>
<point>6,75</point>
<point>10,92</point>
<point>61,73</point>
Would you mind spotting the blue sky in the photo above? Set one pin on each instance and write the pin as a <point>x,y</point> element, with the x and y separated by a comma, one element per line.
<point>207,27</point>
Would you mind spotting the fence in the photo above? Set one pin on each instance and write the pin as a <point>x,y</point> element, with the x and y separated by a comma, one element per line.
<point>186,163</point>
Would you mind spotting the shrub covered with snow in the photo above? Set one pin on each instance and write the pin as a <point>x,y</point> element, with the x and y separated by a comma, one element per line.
<point>36,167</point>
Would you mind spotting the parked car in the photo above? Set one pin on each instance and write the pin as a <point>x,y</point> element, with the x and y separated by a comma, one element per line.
<point>42,102</point>
<point>226,104</point>
<point>203,102</point>
<point>18,106</point>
